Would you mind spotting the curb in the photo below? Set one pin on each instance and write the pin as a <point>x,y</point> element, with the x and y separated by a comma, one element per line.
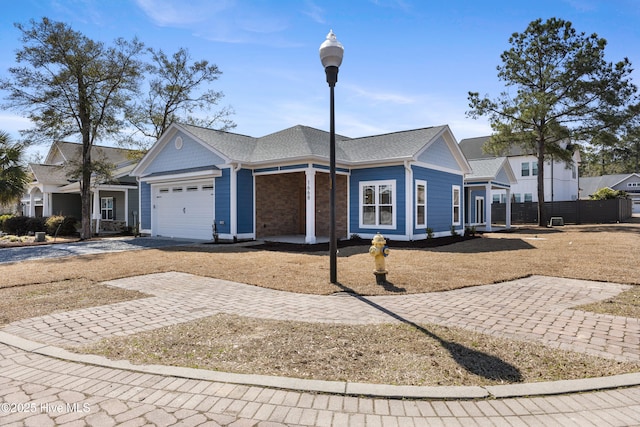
<point>336,387</point>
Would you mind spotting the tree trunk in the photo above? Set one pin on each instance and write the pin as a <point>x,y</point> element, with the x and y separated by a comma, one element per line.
<point>542,214</point>
<point>85,188</point>
<point>84,114</point>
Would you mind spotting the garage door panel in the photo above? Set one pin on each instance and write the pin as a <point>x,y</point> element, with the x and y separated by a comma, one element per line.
<point>185,211</point>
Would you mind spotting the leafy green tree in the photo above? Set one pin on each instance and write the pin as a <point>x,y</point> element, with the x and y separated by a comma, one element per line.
<point>178,92</point>
<point>13,176</point>
<point>69,84</point>
<point>564,90</point>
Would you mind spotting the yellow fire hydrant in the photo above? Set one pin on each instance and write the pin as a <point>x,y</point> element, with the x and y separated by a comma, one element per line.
<point>379,250</point>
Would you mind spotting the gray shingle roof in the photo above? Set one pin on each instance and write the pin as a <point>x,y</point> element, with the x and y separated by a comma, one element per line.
<point>485,168</point>
<point>307,142</point>
<point>397,145</point>
<point>50,174</point>
<point>473,149</point>
<point>72,151</point>
<point>233,145</point>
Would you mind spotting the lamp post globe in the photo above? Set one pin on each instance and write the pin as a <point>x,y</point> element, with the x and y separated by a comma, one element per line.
<point>331,52</point>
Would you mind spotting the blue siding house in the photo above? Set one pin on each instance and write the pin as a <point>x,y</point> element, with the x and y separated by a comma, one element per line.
<point>201,183</point>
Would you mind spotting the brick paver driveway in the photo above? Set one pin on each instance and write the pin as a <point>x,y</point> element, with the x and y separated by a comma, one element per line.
<point>39,385</point>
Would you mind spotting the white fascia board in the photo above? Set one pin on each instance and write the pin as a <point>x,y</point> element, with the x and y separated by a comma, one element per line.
<point>440,168</point>
<point>102,187</point>
<point>398,161</point>
<point>182,176</point>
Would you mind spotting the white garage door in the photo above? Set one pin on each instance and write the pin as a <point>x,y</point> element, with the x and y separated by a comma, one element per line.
<point>184,210</point>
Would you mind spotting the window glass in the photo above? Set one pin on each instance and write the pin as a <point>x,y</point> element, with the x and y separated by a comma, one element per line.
<point>386,215</point>
<point>385,194</point>
<point>369,215</point>
<point>368,195</point>
<point>525,169</point>
<point>421,204</point>
<point>534,168</point>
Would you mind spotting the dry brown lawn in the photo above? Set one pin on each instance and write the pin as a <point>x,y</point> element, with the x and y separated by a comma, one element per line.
<point>604,253</point>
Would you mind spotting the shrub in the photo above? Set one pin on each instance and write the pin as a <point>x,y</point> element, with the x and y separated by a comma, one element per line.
<point>16,225</point>
<point>607,193</point>
<point>3,218</point>
<point>63,225</point>
<point>453,231</point>
<point>429,233</point>
<point>36,224</point>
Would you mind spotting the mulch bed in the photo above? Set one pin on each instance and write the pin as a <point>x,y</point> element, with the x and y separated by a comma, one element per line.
<point>398,244</point>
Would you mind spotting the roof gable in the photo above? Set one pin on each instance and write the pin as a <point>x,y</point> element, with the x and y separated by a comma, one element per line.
<point>178,149</point>
<point>497,169</point>
<point>62,152</point>
<point>50,174</point>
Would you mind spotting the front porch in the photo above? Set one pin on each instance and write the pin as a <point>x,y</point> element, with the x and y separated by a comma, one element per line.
<point>294,205</point>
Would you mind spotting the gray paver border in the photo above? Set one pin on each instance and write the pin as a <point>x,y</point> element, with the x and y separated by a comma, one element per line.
<point>335,387</point>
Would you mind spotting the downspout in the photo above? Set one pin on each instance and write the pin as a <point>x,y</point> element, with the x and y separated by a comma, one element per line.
<point>409,196</point>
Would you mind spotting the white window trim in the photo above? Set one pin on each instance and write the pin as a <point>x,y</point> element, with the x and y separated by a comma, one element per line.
<point>394,207</point>
<point>102,210</point>
<point>418,183</point>
<point>459,205</point>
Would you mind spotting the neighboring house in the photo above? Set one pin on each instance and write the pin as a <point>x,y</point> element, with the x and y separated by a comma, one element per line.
<point>560,179</point>
<point>630,183</point>
<point>54,192</point>
<point>488,175</point>
<point>197,183</point>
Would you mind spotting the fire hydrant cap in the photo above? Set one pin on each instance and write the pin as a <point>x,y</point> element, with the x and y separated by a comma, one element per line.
<point>378,239</point>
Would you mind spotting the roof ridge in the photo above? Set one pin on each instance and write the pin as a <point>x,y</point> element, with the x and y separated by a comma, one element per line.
<point>213,130</point>
<point>398,132</point>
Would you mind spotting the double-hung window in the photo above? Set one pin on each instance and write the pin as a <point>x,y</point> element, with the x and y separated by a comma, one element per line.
<point>525,169</point>
<point>421,204</point>
<point>377,204</point>
<point>455,202</point>
<point>106,208</point>
<point>534,168</point>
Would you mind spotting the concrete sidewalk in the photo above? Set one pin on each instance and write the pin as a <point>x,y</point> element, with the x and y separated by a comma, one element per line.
<point>42,384</point>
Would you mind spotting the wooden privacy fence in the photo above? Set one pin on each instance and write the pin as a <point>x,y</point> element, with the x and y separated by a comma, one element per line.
<point>573,212</point>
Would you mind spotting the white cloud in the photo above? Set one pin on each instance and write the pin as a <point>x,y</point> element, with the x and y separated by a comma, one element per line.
<point>315,12</point>
<point>167,13</point>
<point>378,96</point>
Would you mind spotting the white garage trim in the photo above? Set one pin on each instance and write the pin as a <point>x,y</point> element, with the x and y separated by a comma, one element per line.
<point>196,175</point>
<point>183,209</point>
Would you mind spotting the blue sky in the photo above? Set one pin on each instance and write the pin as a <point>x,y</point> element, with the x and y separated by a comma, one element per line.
<point>407,64</point>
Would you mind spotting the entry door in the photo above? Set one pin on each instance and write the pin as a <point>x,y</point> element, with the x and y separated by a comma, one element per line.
<point>479,210</point>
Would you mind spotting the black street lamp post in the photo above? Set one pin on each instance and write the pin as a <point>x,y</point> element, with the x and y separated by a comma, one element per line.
<point>331,52</point>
